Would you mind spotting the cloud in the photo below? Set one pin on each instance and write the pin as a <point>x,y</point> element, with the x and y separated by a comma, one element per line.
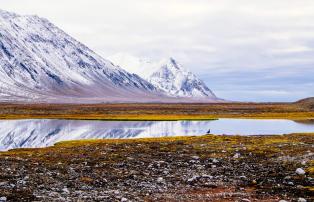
<point>214,38</point>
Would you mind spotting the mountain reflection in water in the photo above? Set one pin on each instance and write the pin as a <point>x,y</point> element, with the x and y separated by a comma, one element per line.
<point>46,132</point>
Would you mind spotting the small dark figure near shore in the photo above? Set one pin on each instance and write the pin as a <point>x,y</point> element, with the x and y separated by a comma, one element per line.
<point>208,131</point>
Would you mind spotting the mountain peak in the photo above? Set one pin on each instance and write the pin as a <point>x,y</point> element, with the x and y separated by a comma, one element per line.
<point>167,75</point>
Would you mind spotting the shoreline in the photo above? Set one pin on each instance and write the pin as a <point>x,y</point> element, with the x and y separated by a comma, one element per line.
<point>284,116</point>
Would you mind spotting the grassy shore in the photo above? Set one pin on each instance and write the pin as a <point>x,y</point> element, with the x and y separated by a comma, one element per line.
<point>205,168</point>
<point>157,111</point>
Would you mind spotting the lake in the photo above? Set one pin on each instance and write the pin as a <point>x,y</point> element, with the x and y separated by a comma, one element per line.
<point>46,132</point>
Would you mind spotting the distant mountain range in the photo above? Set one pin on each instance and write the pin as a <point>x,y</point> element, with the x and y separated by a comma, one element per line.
<point>41,63</point>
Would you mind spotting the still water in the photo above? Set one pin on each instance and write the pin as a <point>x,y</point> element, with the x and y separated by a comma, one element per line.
<point>46,132</point>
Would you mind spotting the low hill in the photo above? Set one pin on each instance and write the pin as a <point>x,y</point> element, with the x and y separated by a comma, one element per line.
<point>307,102</point>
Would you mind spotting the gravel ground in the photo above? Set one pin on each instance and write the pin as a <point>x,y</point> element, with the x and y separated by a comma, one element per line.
<point>207,168</point>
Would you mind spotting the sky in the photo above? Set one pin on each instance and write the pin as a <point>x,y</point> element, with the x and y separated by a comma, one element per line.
<point>244,50</point>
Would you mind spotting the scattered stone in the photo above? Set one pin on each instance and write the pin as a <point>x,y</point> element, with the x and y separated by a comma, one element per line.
<point>195,157</point>
<point>300,171</point>
<point>124,199</point>
<point>3,199</point>
<point>301,200</point>
<point>66,190</point>
<point>287,178</point>
<point>237,155</point>
<point>115,172</point>
<point>160,180</point>
<point>243,177</point>
<point>192,179</point>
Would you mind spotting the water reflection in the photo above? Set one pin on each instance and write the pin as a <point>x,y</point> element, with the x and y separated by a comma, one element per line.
<point>41,133</point>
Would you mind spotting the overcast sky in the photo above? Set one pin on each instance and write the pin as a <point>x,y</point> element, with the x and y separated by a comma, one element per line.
<point>248,50</point>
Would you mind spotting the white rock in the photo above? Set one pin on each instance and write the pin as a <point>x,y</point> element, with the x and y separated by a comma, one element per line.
<point>301,200</point>
<point>300,171</point>
<point>193,178</point>
<point>160,179</point>
<point>237,155</point>
<point>195,157</point>
<point>124,199</point>
<point>66,190</point>
<point>283,201</point>
<point>3,199</point>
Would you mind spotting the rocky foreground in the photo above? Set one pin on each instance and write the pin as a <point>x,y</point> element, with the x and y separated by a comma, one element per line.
<point>207,168</point>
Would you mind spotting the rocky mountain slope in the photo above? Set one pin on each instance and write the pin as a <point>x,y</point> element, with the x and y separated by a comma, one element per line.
<point>167,75</point>
<point>41,63</point>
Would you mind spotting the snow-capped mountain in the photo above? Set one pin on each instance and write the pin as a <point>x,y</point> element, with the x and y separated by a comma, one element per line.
<point>39,62</point>
<point>167,75</point>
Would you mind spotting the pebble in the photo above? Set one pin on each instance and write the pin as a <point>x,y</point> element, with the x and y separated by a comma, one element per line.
<point>66,190</point>
<point>237,155</point>
<point>160,180</point>
<point>245,200</point>
<point>195,157</point>
<point>3,199</point>
<point>124,199</point>
<point>301,200</point>
<point>243,177</point>
<point>300,171</point>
